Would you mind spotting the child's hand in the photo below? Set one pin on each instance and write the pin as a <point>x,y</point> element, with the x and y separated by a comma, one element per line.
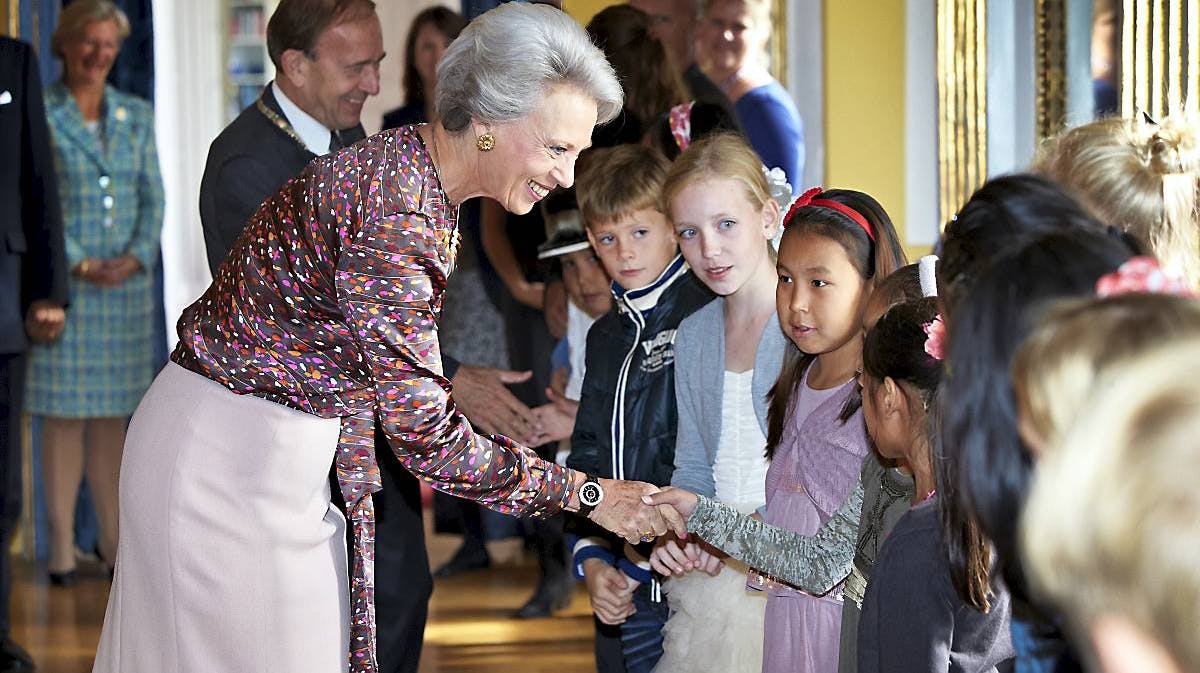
<point>610,591</point>
<point>554,423</point>
<point>683,501</point>
<point>670,557</point>
<point>709,559</point>
<point>560,400</point>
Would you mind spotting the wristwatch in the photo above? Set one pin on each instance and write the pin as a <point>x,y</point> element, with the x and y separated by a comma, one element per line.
<point>591,494</point>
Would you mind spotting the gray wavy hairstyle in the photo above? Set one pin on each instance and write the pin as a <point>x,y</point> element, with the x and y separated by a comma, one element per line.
<point>499,67</point>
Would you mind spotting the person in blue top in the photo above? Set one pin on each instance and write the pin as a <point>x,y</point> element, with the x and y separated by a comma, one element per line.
<point>732,39</point>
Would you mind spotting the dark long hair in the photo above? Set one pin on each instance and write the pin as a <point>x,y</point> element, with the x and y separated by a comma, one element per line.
<point>984,469</point>
<point>895,348</point>
<point>1005,214</point>
<point>872,259</point>
<point>447,22</point>
<point>651,83</point>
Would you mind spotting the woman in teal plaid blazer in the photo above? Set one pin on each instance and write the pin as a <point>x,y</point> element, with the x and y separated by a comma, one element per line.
<point>87,383</point>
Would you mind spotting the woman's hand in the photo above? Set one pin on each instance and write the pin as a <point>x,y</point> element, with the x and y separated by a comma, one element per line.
<point>678,499</point>
<point>107,272</point>
<point>624,512</point>
<point>120,269</point>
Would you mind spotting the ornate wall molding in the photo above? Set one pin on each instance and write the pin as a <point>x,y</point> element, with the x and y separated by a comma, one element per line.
<point>1160,56</point>
<point>1050,63</point>
<point>962,100</point>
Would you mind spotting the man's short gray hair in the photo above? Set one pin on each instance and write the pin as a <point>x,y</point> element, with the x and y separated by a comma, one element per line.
<point>499,67</point>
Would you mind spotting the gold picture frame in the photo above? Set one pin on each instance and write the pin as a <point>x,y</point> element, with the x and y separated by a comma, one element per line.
<point>11,11</point>
<point>962,101</point>
<point>1050,66</point>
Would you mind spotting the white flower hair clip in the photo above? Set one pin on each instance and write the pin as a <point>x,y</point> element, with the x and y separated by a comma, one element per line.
<point>778,186</point>
<point>781,192</point>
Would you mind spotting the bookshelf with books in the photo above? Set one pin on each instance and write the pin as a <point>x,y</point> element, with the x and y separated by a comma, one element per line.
<point>247,66</point>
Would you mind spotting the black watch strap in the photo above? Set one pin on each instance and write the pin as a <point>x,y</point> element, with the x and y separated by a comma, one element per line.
<point>590,495</point>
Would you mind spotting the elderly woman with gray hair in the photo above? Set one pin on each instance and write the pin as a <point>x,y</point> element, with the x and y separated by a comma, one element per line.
<point>322,320</point>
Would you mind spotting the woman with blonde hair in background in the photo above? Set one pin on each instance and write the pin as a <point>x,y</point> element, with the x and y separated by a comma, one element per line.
<point>1110,529</point>
<point>732,40</point>
<point>1138,175</point>
<point>85,385</point>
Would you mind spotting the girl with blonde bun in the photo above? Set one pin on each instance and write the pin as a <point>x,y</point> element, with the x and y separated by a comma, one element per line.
<point>1138,175</point>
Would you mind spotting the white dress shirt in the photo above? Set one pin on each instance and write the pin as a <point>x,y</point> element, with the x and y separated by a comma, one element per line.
<point>314,134</point>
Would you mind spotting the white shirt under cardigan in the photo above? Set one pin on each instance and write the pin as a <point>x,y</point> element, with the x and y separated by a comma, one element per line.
<point>701,398</point>
<point>740,468</point>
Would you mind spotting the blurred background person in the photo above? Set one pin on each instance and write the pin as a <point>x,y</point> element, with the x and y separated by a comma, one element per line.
<point>33,285</point>
<point>673,22</point>
<point>86,384</point>
<point>1111,524</point>
<point>732,41</point>
<point>471,328</point>
<point>645,67</point>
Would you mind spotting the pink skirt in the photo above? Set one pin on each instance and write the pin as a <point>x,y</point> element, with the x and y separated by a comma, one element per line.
<point>231,558</point>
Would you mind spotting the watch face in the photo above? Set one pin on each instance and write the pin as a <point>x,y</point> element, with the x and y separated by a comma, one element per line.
<point>590,494</point>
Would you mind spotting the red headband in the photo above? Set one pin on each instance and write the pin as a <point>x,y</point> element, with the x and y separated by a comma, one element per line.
<point>806,199</point>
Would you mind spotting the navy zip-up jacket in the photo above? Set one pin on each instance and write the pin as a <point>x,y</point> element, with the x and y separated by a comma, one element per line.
<point>625,427</point>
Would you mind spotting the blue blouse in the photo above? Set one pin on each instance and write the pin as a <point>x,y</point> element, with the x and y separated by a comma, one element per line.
<point>771,122</point>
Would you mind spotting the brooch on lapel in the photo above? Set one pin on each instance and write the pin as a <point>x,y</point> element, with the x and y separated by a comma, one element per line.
<point>5,97</point>
<point>120,114</point>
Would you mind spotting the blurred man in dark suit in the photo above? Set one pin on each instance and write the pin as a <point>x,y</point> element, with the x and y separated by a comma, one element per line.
<point>33,283</point>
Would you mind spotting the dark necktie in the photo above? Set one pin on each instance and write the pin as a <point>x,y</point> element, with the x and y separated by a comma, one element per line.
<point>344,137</point>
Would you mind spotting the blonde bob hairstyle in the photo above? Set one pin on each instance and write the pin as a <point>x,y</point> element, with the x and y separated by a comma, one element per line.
<point>721,156</point>
<point>1077,342</point>
<point>76,16</point>
<point>1113,519</point>
<point>1140,176</point>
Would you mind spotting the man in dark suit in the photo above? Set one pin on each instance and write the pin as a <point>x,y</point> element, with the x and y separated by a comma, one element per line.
<point>33,283</point>
<point>327,65</point>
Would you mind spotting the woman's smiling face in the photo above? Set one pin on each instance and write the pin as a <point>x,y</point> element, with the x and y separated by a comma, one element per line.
<point>536,154</point>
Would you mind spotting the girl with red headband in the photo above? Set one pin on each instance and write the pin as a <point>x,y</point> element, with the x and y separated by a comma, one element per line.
<point>835,246</point>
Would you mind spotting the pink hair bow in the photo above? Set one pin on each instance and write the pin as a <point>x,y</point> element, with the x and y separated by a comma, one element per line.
<point>679,119</point>
<point>935,338</point>
<point>1141,275</point>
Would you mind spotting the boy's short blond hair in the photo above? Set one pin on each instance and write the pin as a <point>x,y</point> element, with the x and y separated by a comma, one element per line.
<point>617,181</point>
<point>1076,343</point>
<point>1113,519</point>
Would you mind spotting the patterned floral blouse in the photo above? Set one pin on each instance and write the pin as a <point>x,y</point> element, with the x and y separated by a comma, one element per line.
<point>328,303</point>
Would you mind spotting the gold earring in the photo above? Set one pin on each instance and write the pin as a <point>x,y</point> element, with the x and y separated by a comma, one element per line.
<point>486,142</point>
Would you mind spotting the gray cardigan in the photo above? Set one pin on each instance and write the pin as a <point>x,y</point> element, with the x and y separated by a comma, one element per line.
<point>699,388</point>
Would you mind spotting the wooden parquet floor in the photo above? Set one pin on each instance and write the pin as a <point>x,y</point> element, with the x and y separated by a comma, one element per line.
<point>469,629</point>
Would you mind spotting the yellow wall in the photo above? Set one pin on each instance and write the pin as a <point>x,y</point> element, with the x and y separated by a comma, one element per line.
<point>864,100</point>
<point>584,10</point>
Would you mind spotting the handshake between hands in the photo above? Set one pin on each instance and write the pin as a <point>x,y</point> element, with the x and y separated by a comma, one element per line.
<point>640,512</point>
